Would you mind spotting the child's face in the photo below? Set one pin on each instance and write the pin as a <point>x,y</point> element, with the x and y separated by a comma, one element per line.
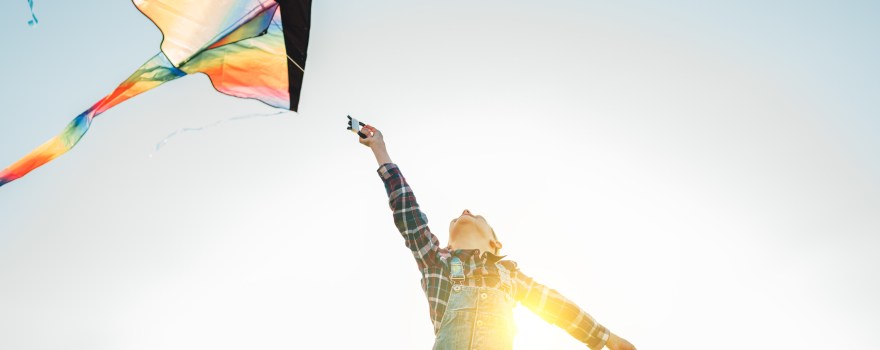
<point>469,227</point>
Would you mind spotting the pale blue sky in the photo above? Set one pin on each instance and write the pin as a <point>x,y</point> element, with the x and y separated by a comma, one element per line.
<point>697,175</point>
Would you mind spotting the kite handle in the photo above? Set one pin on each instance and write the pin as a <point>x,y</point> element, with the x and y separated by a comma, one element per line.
<point>352,122</point>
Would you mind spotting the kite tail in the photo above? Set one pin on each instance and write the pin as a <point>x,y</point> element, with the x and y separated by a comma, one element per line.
<point>31,22</point>
<point>155,72</point>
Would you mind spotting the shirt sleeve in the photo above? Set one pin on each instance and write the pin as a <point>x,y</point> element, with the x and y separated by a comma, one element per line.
<point>556,309</point>
<point>410,221</point>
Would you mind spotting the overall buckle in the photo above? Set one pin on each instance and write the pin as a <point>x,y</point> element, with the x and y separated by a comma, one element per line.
<point>456,273</point>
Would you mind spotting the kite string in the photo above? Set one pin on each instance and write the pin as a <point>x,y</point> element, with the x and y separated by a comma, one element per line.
<point>165,140</point>
<point>33,21</point>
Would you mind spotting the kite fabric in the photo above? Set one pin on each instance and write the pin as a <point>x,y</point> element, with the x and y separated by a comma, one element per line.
<point>248,48</point>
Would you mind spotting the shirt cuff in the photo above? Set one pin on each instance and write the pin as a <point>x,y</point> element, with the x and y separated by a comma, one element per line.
<point>387,170</point>
<point>604,340</point>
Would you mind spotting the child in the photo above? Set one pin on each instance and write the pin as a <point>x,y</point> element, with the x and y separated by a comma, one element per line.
<point>471,290</point>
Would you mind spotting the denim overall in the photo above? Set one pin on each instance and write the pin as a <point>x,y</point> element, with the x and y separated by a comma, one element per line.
<point>477,318</point>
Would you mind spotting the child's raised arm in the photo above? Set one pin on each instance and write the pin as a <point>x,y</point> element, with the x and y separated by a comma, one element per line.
<point>409,219</point>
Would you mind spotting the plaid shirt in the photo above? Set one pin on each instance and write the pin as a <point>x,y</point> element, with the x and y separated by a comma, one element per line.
<point>481,270</point>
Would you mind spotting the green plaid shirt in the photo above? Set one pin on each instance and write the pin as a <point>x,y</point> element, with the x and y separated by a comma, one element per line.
<point>481,270</point>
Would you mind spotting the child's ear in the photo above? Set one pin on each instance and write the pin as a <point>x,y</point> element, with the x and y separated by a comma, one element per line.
<point>495,244</point>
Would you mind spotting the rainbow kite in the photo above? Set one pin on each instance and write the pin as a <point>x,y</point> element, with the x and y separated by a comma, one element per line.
<point>248,48</point>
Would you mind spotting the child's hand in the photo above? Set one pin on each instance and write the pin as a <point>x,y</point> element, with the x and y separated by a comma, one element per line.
<point>376,143</point>
<point>374,138</point>
<point>617,343</point>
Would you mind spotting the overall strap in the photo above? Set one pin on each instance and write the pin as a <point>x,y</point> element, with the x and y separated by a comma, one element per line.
<point>504,274</point>
<point>506,281</point>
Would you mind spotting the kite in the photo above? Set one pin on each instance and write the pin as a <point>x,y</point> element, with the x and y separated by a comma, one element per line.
<point>248,48</point>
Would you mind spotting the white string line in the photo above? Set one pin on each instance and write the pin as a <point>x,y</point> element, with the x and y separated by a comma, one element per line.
<point>165,140</point>
<point>296,64</point>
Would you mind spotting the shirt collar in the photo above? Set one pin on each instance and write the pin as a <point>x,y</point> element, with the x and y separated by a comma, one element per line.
<point>467,253</point>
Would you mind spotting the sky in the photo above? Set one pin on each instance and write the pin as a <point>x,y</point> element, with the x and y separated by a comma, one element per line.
<point>693,174</point>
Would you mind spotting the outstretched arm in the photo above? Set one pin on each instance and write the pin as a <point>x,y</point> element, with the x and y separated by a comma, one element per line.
<point>554,308</point>
<point>409,219</point>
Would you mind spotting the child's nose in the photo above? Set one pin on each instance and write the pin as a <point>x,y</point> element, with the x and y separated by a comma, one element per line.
<point>468,212</point>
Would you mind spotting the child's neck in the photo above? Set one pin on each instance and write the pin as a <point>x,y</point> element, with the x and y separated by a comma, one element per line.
<point>468,245</point>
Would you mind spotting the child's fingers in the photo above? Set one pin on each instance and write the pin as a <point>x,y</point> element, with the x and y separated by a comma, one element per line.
<point>371,132</point>
<point>367,137</point>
